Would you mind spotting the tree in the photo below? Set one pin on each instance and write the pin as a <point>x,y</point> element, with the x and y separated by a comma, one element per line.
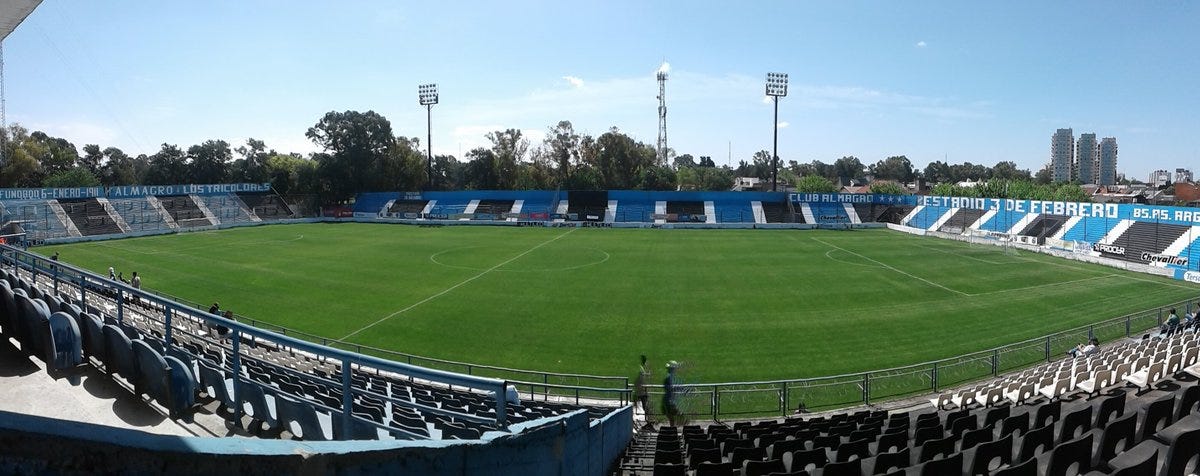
<point>562,147</point>
<point>657,177</point>
<point>92,159</point>
<point>896,167</point>
<point>815,184</point>
<point>584,177</point>
<point>167,166</point>
<point>508,148</point>
<point>848,168</point>
<point>480,171</point>
<point>1044,176</point>
<point>252,166</point>
<point>448,173</point>
<point>209,162</point>
<point>1071,192</point>
<point>54,154</point>
<point>705,178</point>
<point>706,161</point>
<point>761,166</point>
<point>685,160</point>
<point>283,171</point>
<point>1008,170</point>
<point>402,167</point>
<point>968,171</point>
<point>938,172</point>
<point>121,169</point>
<point>888,188</point>
<point>20,168</point>
<point>356,144</point>
<point>76,177</point>
<point>620,159</point>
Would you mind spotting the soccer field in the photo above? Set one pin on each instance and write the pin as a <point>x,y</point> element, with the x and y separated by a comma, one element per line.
<point>733,305</point>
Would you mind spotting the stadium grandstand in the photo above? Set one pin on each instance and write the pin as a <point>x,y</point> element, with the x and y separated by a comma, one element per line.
<point>247,394</point>
<point>458,330</point>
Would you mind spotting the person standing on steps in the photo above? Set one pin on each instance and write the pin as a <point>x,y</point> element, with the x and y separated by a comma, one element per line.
<point>670,406</point>
<point>640,394</point>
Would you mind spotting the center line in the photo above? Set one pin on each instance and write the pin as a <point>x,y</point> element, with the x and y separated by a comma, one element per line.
<point>885,265</point>
<point>456,286</point>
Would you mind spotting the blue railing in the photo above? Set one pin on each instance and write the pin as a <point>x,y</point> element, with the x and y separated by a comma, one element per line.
<point>85,287</point>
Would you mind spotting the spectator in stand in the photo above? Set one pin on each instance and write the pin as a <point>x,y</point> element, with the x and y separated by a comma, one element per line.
<point>112,274</point>
<point>1077,351</point>
<point>1172,324</point>
<point>641,395</point>
<point>670,406</point>
<point>136,282</point>
<point>222,330</point>
<point>215,308</point>
<point>1091,348</point>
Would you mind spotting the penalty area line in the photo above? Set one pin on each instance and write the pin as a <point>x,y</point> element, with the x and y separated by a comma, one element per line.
<point>456,286</point>
<point>885,265</point>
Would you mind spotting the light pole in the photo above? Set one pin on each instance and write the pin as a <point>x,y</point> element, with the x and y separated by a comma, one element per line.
<point>776,88</point>
<point>428,95</point>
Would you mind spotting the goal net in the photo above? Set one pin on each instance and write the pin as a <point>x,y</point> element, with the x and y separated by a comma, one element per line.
<point>993,241</point>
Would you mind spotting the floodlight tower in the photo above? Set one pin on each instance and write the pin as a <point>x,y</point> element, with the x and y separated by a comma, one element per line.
<point>428,96</point>
<point>777,84</point>
<point>662,115</point>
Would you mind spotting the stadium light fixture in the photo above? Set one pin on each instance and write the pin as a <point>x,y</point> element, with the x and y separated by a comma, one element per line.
<point>777,84</point>
<point>427,94</point>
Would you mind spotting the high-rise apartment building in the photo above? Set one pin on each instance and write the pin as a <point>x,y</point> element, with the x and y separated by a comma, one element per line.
<point>1106,170</point>
<point>1087,157</point>
<point>1062,155</point>
<point>1183,175</point>
<point>1159,178</point>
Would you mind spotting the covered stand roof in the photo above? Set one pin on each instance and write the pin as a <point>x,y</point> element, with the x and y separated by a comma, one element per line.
<point>13,12</point>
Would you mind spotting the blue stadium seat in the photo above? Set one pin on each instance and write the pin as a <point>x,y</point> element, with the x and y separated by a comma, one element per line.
<point>301,420</point>
<point>152,372</point>
<point>257,405</point>
<point>93,338</point>
<point>66,349</point>
<point>8,309</point>
<point>119,353</point>
<point>215,384</point>
<point>181,388</point>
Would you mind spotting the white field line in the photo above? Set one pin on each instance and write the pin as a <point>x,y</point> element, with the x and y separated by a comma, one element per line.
<point>1162,283</point>
<point>885,265</point>
<point>178,251</point>
<point>1038,286</point>
<point>955,253</point>
<point>456,286</point>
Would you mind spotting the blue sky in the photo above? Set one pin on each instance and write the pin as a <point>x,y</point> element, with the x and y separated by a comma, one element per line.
<point>979,82</point>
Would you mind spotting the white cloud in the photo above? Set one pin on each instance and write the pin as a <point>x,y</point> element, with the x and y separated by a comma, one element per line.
<point>921,44</point>
<point>782,124</point>
<point>630,104</point>
<point>574,81</point>
<point>78,133</point>
<point>284,143</point>
<point>665,67</point>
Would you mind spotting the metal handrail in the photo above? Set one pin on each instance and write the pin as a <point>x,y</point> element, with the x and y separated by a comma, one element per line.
<point>989,356</point>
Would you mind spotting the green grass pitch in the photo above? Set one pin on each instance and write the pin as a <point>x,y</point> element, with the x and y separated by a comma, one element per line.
<point>734,305</point>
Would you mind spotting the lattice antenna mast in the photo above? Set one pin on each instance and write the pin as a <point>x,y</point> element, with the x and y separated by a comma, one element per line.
<point>3,117</point>
<point>662,115</point>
